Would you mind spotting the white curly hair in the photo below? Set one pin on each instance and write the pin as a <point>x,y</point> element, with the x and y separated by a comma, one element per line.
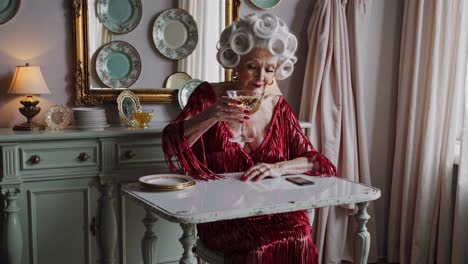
<point>258,31</point>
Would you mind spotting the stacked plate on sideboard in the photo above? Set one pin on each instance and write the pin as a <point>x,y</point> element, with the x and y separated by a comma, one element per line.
<point>93,118</point>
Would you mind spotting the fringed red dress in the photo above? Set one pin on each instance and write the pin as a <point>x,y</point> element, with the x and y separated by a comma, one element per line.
<point>279,238</point>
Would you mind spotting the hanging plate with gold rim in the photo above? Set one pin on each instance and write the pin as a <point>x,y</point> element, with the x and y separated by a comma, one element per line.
<point>118,64</point>
<point>177,80</point>
<point>175,33</point>
<point>119,16</point>
<point>8,9</point>
<point>265,4</point>
<point>187,90</point>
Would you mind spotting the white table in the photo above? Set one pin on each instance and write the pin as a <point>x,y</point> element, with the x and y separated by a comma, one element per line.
<point>232,198</point>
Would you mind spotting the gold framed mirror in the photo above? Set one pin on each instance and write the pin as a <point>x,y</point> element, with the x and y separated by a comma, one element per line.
<point>85,92</point>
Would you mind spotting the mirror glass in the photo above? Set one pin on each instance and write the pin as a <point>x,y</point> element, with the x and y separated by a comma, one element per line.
<point>92,32</point>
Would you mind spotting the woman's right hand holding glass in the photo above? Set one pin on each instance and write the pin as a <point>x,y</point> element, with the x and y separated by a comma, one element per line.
<point>227,109</point>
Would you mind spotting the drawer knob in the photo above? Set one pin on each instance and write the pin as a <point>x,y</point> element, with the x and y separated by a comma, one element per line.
<point>35,159</point>
<point>83,156</point>
<point>129,154</point>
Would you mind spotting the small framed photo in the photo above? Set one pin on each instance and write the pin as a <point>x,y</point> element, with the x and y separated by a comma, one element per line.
<point>127,103</point>
<point>57,117</point>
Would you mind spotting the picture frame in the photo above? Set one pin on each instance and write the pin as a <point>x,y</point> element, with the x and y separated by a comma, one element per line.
<point>88,95</point>
<point>57,117</point>
<point>127,103</point>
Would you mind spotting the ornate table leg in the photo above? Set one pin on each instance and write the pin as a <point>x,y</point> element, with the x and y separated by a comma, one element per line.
<point>362,240</point>
<point>108,226</point>
<point>12,236</point>
<point>188,241</point>
<point>149,243</point>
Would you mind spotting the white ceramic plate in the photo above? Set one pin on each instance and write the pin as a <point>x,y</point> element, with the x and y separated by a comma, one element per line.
<point>186,91</point>
<point>92,126</point>
<point>175,33</point>
<point>177,80</point>
<point>95,124</point>
<point>88,109</point>
<point>167,182</point>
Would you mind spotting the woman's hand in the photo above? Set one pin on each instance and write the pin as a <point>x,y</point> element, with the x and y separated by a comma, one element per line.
<point>262,170</point>
<point>226,109</point>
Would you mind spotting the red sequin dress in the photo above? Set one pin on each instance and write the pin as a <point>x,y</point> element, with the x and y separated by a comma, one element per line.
<point>279,238</point>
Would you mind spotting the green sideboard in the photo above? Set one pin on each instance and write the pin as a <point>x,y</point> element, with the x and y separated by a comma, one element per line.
<point>61,202</point>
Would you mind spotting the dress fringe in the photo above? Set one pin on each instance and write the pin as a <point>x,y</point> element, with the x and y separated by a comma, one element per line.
<point>280,238</point>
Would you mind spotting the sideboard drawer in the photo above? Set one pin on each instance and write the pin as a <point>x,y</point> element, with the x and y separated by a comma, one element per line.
<point>136,153</point>
<point>59,155</point>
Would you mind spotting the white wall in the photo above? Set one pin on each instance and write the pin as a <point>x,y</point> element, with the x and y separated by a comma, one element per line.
<point>41,34</point>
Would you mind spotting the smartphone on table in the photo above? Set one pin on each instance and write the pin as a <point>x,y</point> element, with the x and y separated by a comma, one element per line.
<point>300,181</point>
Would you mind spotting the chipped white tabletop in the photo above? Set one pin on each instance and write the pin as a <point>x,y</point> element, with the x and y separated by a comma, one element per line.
<point>232,198</point>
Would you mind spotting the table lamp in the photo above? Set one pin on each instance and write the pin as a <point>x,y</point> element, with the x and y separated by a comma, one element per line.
<point>28,80</point>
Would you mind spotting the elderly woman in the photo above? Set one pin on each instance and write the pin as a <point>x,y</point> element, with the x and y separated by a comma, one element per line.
<point>259,49</point>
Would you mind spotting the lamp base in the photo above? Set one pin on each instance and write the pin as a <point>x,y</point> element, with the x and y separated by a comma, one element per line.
<point>29,111</point>
<point>29,127</point>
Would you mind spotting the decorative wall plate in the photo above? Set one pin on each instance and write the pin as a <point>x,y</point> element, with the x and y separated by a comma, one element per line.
<point>118,64</point>
<point>265,4</point>
<point>8,9</point>
<point>57,117</point>
<point>127,103</point>
<point>120,16</point>
<point>167,182</point>
<point>177,80</point>
<point>186,91</point>
<point>175,33</point>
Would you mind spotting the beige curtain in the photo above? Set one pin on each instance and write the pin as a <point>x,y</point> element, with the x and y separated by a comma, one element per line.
<point>460,232</point>
<point>332,101</point>
<point>202,63</point>
<point>433,53</point>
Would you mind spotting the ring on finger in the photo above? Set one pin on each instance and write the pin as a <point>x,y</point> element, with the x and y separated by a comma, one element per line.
<point>257,169</point>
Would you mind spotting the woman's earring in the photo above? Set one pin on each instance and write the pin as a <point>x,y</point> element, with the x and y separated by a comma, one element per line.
<point>234,76</point>
<point>272,81</point>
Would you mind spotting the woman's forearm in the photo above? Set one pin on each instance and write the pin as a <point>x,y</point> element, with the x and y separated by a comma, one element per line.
<point>196,126</point>
<point>295,166</point>
<point>261,170</point>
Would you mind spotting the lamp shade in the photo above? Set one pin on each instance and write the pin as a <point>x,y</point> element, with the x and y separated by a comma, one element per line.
<point>28,80</point>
